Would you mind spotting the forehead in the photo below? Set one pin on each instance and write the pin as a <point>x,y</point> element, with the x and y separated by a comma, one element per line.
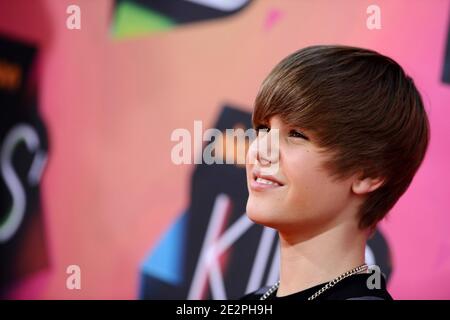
<point>279,121</point>
<point>276,120</point>
<point>272,119</point>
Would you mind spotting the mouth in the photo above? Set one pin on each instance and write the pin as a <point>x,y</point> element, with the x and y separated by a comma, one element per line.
<point>261,182</point>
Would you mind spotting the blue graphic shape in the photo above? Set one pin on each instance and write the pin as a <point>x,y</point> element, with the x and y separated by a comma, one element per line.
<point>167,259</point>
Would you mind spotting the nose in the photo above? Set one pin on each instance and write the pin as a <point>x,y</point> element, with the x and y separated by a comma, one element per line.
<point>262,160</point>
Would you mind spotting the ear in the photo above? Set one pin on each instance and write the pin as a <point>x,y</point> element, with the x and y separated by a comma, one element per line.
<point>365,185</point>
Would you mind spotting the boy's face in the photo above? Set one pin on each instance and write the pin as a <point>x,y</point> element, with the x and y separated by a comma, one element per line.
<point>304,197</point>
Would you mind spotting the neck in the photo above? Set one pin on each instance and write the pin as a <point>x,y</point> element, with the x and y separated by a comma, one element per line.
<point>319,258</point>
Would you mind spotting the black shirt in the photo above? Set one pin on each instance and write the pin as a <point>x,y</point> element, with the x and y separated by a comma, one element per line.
<point>352,288</point>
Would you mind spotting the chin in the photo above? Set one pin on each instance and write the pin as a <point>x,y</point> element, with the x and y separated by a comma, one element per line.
<point>260,214</point>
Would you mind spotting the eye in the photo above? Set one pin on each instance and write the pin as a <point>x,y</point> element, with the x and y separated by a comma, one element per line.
<point>262,128</point>
<point>297,134</point>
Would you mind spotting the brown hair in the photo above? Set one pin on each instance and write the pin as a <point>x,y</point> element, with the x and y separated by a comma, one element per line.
<point>362,108</point>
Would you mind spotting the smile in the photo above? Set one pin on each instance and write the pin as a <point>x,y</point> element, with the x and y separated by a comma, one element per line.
<point>261,183</point>
<point>265,181</point>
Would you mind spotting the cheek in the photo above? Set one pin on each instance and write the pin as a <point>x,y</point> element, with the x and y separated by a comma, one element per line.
<point>310,185</point>
<point>304,187</point>
<point>301,170</point>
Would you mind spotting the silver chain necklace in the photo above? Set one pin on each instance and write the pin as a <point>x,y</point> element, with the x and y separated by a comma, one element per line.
<point>332,283</point>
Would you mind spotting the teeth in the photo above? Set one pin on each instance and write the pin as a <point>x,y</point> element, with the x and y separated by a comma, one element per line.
<point>264,181</point>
